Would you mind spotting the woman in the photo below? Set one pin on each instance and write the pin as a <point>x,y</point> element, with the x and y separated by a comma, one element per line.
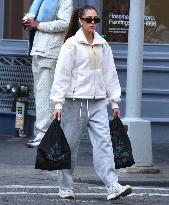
<point>85,78</point>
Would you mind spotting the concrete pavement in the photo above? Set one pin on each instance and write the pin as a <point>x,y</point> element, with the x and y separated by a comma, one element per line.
<point>160,158</point>
<point>17,163</point>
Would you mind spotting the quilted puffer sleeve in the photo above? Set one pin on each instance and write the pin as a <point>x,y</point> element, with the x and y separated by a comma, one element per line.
<point>63,18</point>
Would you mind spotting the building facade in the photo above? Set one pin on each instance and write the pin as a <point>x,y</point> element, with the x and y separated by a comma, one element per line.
<point>15,65</point>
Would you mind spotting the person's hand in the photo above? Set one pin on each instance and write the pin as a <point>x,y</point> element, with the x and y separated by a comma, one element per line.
<point>57,114</point>
<point>116,112</point>
<point>23,23</point>
<point>31,24</point>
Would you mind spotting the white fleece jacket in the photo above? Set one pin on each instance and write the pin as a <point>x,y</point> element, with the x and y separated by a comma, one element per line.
<point>85,71</point>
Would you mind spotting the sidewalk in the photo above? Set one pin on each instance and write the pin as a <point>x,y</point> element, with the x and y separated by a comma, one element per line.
<point>160,158</point>
<point>87,174</point>
<point>14,155</point>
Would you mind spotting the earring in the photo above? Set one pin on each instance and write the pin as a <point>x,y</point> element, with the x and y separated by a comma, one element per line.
<point>80,22</point>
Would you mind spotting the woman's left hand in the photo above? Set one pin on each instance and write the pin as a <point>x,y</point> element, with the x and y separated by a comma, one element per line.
<point>116,112</point>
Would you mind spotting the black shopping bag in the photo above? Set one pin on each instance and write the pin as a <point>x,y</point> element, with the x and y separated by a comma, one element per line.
<point>31,39</point>
<point>121,144</point>
<point>53,152</point>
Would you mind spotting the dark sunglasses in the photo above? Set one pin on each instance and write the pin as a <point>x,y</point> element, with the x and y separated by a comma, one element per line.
<point>90,20</point>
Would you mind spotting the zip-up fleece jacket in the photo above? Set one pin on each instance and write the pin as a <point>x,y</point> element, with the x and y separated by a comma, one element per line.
<point>50,35</point>
<point>85,71</point>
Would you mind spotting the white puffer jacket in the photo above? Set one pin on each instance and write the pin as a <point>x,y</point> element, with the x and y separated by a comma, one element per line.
<point>85,71</point>
<point>50,35</point>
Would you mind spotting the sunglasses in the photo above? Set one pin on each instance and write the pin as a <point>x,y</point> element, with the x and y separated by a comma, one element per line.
<point>90,20</point>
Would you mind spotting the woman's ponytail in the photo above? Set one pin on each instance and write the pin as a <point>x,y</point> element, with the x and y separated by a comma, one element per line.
<point>74,24</point>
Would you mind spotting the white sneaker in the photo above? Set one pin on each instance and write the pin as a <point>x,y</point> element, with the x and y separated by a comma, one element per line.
<point>32,143</point>
<point>117,190</point>
<point>66,193</point>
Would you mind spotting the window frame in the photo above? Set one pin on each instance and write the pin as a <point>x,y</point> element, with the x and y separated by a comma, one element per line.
<point>10,46</point>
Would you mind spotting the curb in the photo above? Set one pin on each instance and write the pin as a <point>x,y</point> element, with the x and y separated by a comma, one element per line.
<point>161,183</point>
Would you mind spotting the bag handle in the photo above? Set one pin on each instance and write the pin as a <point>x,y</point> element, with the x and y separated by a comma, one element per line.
<point>57,121</point>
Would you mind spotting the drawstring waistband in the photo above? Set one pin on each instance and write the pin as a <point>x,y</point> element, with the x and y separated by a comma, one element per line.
<point>87,106</point>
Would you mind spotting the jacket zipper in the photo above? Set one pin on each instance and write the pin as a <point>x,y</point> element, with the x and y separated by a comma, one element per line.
<point>94,73</point>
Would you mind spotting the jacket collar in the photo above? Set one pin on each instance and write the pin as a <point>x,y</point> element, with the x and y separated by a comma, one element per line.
<point>82,39</point>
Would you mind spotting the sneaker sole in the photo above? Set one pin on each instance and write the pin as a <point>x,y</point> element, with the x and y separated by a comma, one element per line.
<point>127,192</point>
<point>31,146</point>
<point>67,197</point>
<point>70,197</point>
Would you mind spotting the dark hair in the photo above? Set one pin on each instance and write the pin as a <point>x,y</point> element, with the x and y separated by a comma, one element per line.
<point>74,21</point>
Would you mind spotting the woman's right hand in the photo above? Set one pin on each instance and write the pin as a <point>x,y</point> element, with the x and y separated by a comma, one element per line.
<point>57,114</point>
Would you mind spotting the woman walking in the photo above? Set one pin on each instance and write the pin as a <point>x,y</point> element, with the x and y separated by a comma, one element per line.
<point>85,82</point>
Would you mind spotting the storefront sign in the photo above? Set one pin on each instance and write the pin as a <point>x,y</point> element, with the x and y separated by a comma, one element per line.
<point>116,21</point>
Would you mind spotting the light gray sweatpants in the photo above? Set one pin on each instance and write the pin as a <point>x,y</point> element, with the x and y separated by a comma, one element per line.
<point>43,73</point>
<point>78,115</point>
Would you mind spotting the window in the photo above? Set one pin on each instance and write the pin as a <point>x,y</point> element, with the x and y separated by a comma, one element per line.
<point>156,21</point>
<point>116,21</point>
<point>13,14</point>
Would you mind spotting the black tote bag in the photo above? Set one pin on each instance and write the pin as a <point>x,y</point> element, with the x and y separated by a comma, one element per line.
<point>53,152</point>
<point>121,144</point>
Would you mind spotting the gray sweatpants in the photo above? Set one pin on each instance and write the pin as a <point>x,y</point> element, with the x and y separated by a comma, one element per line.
<point>43,73</point>
<point>78,115</point>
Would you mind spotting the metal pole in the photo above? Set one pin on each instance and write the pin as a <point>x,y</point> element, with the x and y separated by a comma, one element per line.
<point>139,130</point>
<point>135,59</point>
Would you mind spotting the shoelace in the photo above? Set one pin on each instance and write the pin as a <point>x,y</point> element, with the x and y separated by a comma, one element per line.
<point>114,188</point>
<point>62,190</point>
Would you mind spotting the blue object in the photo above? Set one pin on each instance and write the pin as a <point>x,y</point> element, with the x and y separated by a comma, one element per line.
<point>44,10</point>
